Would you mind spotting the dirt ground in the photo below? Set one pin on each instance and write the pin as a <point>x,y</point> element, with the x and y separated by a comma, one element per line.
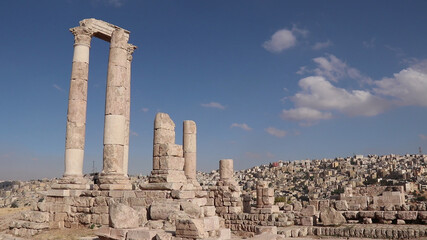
<point>7,215</point>
<point>65,234</point>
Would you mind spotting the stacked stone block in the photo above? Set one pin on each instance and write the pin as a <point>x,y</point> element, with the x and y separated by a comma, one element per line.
<point>248,222</point>
<point>30,223</point>
<point>168,160</point>
<point>225,196</point>
<point>265,199</point>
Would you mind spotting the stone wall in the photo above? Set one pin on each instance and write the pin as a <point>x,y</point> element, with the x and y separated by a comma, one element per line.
<point>74,208</point>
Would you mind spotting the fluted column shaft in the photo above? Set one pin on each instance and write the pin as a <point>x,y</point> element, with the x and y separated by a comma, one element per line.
<point>190,148</point>
<point>77,102</point>
<point>115,105</point>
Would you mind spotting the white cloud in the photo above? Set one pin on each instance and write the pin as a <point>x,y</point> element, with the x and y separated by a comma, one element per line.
<point>408,87</point>
<point>145,110</point>
<point>423,137</point>
<point>318,93</point>
<point>302,70</point>
<point>57,87</point>
<point>275,132</point>
<point>284,39</point>
<point>398,51</point>
<point>213,105</point>
<point>281,40</point>
<point>319,99</point>
<point>335,69</point>
<point>303,114</point>
<point>243,126</point>
<point>322,45</point>
<point>299,31</point>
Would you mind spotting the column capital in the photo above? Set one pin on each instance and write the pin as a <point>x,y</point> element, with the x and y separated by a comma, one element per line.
<point>82,35</point>
<point>119,39</point>
<point>130,49</point>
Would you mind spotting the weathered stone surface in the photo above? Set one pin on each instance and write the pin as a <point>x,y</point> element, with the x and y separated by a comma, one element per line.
<point>142,214</point>
<point>310,210</point>
<point>367,214</point>
<point>192,209</point>
<point>390,215</point>
<point>226,169</point>
<point>265,229</point>
<point>209,211</point>
<point>171,163</point>
<point>422,215</point>
<point>161,210</point>
<point>341,205</point>
<point>297,206</point>
<point>172,176</point>
<point>307,221</point>
<point>190,148</point>
<point>113,159</point>
<point>211,223</point>
<point>163,121</point>
<point>407,215</point>
<point>224,233</point>
<point>155,224</point>
<point>163,236</point>
<point>170,149</point>
<point>122,216</point>
<point>191,228</point>
<point>180,194</point>
<point>35,216</point>
<point>141,233</point>
<point>330,217</point>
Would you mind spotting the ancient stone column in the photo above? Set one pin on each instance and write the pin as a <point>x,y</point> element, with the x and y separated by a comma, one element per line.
<point>189,143</point>
<point>130,50</point>
<point>77,102</point>
<point>115,108</point>
<point>259,193</point>
<point>226,169</point>
<point>164,133</point>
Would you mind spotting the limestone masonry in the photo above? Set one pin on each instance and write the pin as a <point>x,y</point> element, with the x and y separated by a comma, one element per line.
<point>176,203</point>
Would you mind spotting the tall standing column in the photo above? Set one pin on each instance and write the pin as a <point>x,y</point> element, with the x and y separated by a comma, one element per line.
<point>130,50</point>
<point>190,149</point>
<point>112,176</point>
<point>77,102</point>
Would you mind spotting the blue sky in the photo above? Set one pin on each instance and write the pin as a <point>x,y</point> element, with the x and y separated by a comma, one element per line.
<point>264,80</point>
